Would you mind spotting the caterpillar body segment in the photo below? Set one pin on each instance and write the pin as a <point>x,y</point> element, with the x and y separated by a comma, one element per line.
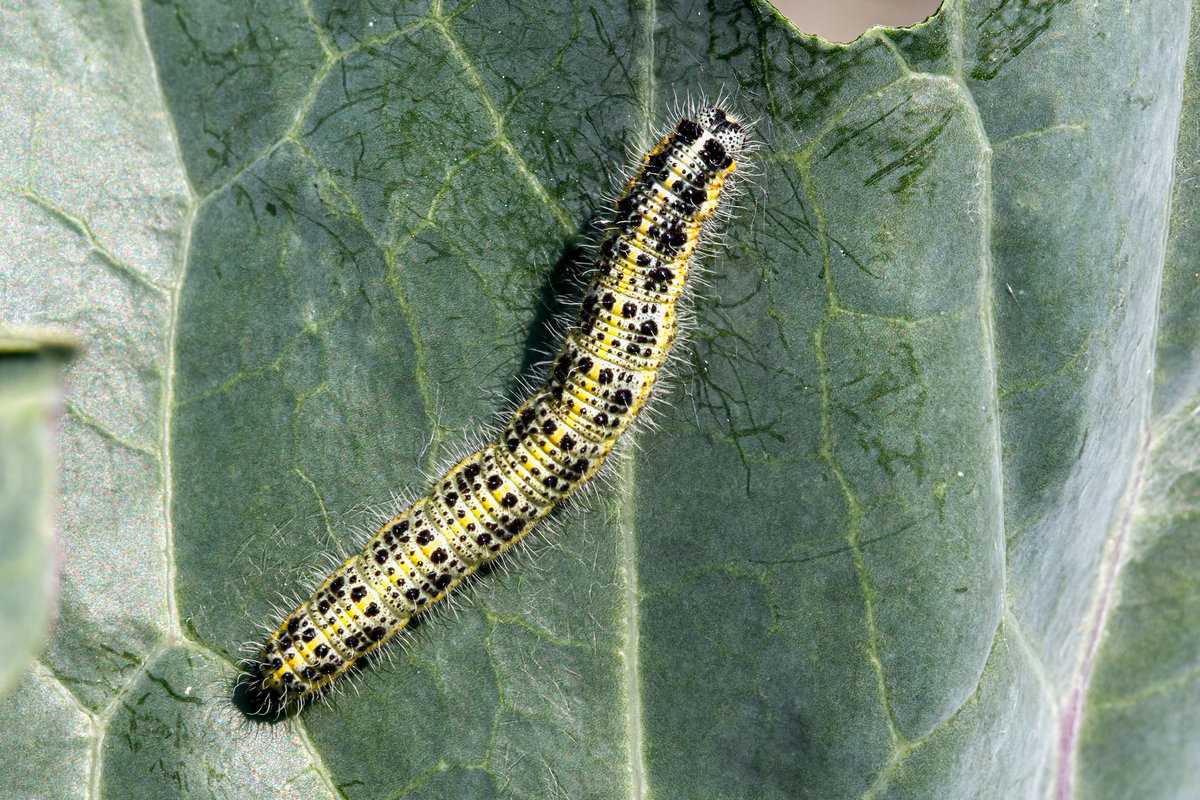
<point>600,380</point>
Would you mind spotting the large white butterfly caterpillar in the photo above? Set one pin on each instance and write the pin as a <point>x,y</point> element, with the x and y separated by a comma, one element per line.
<point>601,378</point>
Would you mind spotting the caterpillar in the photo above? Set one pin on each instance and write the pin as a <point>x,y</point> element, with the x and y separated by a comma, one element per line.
<point>599,381</point>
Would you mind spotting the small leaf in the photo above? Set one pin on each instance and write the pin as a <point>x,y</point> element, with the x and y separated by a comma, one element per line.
<point>29,398</point>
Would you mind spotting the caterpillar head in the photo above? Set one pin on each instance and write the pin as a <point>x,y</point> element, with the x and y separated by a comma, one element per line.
<point>727,130</point>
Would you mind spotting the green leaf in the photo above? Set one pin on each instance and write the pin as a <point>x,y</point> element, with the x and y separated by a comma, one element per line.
<point>914,519</point>
<point>1143,703</point>
<point>29,396</point>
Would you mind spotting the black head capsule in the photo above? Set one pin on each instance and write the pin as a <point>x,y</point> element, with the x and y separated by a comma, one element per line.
<point>726,129</point>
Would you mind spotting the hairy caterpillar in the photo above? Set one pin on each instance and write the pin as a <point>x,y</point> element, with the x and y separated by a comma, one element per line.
<point>600,379</point>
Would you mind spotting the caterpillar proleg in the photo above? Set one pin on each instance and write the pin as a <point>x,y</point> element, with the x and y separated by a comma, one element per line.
<point>600,380</point>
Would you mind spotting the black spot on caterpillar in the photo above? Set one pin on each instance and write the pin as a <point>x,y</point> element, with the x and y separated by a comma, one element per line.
<point>600,380</point>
